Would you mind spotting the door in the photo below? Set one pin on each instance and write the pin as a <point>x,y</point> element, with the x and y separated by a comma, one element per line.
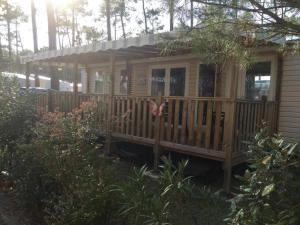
<point>168,81</point>
<point>177,81</point>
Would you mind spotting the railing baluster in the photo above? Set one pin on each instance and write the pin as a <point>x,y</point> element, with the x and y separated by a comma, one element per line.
<point>200,123</point>
<point>217,125</point>
<point>208,124</point>
<point>191,113</point>
<point>176,121</point>
<point>184,118</point>
<point>170,119</point>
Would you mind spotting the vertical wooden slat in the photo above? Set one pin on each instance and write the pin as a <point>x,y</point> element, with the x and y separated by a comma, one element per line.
<point>118,115</point>
<point>128,115</point>
<point>184,118</point>
<point>170,119</point>
<point>208,124</point>
<point>144,117</point>
<point>200,122</point>
<point>122,115</point>
<point>191,114</point>
<point>217,125</point>
<point>150,122</point>
<point>139,112</point>
<point>176,121</point>
<point>133,115</point>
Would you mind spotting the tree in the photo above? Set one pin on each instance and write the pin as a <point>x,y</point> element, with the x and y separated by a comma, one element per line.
<point>10,13</point>
<point>145,17</point>
<point>108,18</point>
<point>276,18</point>
<point>34,30</point>
<point>51,25</point>
<point>151,18</point>
<point>171,5</point>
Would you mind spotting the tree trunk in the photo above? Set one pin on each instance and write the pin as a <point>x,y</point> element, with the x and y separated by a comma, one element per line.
<point>34,30</point>
<point>73,24</point>
<point>115,27</point>
<point>122,18</point>
<point>192,13</point>
<point>171,11</point>
<point>108,23</point>
<point>16,38</point>
<point>145,17</point>
<point>8,33</point>
<point>52,43</point>
<point>51,25</point>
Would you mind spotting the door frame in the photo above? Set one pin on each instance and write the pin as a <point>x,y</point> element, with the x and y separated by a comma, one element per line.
<point>168,68</point>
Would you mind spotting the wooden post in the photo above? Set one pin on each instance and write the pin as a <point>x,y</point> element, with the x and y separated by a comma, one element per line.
<point>76,78</point>
<point>157,134</point>
<point>229,127</point>
<point>54,78</point>
<point>50,101</point>
<point>36,80</point>
<point>88,79</point>
<point>110,105</point>
<point>27,73</point>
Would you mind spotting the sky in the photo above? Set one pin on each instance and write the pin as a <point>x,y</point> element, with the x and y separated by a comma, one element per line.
<point>41,17</point>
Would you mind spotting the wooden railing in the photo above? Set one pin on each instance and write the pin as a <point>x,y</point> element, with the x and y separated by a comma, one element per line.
<point>249,118</point>
<point>198,123</point>
<point>206,126</point>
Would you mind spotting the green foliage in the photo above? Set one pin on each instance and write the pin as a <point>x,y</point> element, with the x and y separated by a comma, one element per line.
<point>270,194</point>
<point>17,111</point>
<point>168,198</point>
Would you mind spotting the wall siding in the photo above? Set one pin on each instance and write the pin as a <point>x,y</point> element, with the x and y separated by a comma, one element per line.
<point>289,110</point>
<point>140,79</point>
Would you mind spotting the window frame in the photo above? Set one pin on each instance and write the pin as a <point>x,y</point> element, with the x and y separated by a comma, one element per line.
<point>198,79</point>
<point>273,59</point>
<point>104,83</point>
<point>168,68</point>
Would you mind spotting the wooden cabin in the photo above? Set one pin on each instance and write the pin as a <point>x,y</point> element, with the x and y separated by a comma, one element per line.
<point>204,114</point>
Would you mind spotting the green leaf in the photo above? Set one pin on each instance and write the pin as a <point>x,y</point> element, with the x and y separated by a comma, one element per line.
<point>268,189</point>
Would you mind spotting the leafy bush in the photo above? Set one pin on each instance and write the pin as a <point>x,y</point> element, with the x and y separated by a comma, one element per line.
<point>168,198</point>
<point>17,112</point>
<point>270,194</point>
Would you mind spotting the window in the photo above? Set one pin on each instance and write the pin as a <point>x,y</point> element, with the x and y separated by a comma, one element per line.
<point>177,81</point>
<point>206,82</point>
<point>258,78</point>
<point>158,82</point>
<point>99,83</point>
<point>123,82</point>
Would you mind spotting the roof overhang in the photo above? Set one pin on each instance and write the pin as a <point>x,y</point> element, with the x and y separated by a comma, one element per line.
<point>132,48</point>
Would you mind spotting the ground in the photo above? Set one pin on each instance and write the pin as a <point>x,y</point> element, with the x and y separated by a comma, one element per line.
<point>10,214</point>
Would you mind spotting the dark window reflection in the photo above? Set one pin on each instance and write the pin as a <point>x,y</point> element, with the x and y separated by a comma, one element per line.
<point>177,82</point>
<point>206,80</point>
<point>158,82</point>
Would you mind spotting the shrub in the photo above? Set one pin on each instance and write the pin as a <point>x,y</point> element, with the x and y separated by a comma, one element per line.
<point>270,193</point>
<point>168,198</point>
<point>17,112</point>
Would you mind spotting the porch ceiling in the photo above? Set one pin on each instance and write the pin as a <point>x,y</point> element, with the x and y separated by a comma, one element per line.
<point>124,49</point>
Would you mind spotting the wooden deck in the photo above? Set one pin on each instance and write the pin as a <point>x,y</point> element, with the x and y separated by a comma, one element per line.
<point>213,128</point>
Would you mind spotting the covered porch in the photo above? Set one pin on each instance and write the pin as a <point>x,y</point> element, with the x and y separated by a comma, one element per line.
<point>215,127</point>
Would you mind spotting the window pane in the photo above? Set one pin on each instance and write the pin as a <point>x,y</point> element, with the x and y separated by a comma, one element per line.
<point>258,78</point>
<point>123,82</point>
<point>206,80</point>
<point>177,82</point>
<point>99,83</point>
<point>158,81</point>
